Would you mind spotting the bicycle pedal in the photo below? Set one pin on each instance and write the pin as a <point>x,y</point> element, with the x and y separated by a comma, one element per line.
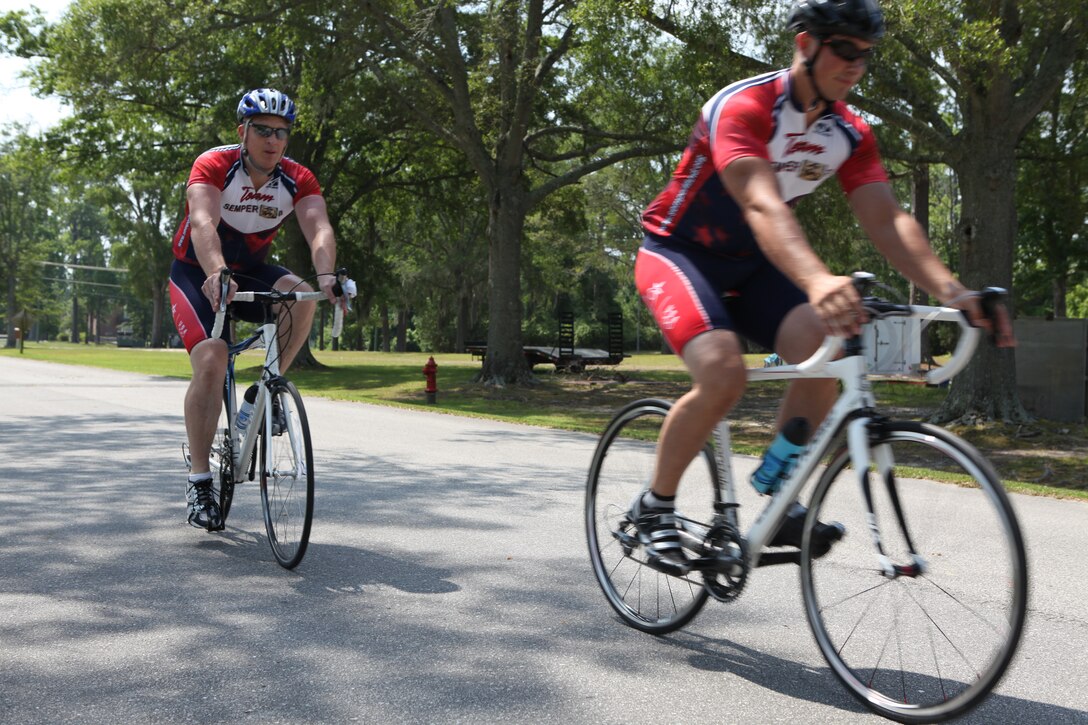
<point>629,542</point>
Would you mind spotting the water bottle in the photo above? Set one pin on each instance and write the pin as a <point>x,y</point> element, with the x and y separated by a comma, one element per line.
<point>245,413</point>
<point>781,455</point>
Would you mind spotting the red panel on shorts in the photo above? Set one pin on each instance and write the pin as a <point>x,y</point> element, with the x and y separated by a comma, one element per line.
<point>670,298</point>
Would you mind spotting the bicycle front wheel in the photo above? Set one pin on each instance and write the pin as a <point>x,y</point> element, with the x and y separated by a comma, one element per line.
<point>287,476</point>
<point>924,633</point>
<point>621,469</point>
<point>222,462</point>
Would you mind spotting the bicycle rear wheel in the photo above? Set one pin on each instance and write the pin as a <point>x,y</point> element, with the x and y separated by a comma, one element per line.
<point>287,477</point>
<point>622,465</point>
<point>931,643</point>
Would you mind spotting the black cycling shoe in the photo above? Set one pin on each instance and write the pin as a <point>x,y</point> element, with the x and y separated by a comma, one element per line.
<point>793,531</point>
<point>660,538</point>
<point>203,510</point>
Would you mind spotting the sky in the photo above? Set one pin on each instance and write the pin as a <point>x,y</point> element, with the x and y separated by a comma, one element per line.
<point>17,103</point>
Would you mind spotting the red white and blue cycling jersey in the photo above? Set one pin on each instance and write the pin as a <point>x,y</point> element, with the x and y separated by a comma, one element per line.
<point>757,117</point>
<point>249,218</point>
<point>700,267</point>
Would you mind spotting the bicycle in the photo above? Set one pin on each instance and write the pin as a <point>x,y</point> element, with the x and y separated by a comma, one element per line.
<point>279,422</point>
<point>917,626</point>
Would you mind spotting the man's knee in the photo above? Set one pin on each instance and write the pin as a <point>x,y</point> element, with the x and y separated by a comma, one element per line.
<point>800,335</point>
<point>209,360</point>
<point>717,368</point>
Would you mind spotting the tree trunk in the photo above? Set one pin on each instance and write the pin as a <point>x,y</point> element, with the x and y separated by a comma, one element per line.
<point>920,207</point>
<point>462,322</point>
<point>11,310</point>
<point>505,362</point>
<point>158,310</point>
<point>1060,287</point>
<point>385,328</point>
<point>986,389</point>
<point>402,330</point>
<point>75,318</point>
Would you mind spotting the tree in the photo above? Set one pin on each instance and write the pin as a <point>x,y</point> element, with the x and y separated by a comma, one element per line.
<point>978,75</point>
<point>502,84</point>
<point>959,83</point>
<point>1052,254</point>
<point>25,225</point>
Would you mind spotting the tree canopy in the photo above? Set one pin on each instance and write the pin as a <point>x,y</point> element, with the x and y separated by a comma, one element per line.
<point>485,163</point>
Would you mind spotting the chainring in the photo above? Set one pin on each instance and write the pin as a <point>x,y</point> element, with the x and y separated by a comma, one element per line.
<point>726,581</point>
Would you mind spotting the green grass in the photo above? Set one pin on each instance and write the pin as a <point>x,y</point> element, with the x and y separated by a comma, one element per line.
<point>1052,452</point>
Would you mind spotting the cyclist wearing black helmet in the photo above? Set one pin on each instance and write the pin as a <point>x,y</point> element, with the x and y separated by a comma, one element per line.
<point>237,198</point>
<point>725,257</point>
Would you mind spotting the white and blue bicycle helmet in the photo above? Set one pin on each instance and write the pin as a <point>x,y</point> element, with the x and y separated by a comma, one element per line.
<point>266,101</point>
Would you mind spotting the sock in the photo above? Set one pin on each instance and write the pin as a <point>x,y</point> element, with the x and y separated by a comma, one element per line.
<point>652,501</point>
<point>200,478</point>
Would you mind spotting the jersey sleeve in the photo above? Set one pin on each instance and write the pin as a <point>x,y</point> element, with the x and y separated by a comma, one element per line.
<point>864,165</point>
<point>307,183</point>
<point>742,127</point>
<point>209,168</point>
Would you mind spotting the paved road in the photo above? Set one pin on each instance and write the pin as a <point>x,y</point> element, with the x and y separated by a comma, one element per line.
<point>447,581</point>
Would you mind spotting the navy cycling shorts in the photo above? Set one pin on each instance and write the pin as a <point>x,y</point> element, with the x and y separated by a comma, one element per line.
<point>193,313</point>
<point>690,290</point>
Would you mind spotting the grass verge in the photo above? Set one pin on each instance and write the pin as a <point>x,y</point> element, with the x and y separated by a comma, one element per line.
<point>1044,458</point>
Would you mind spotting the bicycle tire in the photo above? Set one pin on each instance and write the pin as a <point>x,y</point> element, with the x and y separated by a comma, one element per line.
<point>643,597</point>
<point>287,489</point>
<point>222,463</point>
<point>930,646</point>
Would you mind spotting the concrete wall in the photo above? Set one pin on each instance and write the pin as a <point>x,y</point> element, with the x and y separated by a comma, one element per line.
<point>1052,367</point>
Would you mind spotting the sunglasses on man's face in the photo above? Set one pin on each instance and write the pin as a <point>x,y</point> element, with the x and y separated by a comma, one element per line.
<point>267,131</point>
<point>848,51</point>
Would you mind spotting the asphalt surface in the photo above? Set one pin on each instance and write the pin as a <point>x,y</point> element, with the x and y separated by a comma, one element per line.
<point>447,581</point>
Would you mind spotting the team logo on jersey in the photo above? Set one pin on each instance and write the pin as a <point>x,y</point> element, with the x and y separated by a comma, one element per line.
<point>823,128</point>
<point>268,212</point>
<point>812,171</point>
<point>801,146</point>
<point>655,291</point>
<point>251,194</point>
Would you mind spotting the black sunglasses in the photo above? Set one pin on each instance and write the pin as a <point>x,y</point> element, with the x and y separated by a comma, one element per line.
<point>267,131</point>
<point>848,51</point>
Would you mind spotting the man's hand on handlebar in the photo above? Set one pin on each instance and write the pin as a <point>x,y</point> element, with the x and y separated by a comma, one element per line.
<point>212,289</point>
<point>986,310</point>
<point>838,304</point>
<point>327,283</point>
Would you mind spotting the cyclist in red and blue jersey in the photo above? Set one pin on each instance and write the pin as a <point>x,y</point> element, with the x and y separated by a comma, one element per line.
<point>725,257</point>
<point>237,198</point>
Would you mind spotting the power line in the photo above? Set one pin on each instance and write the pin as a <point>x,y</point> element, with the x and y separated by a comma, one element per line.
<point>85,266</point>
<point>81,281</point>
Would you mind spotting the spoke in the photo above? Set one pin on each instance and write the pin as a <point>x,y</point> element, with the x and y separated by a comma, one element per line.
<point>860,616</point>
<point>944,634</point>
<point>994,628</point>
<point>879,585</point>
<point>937,665</point>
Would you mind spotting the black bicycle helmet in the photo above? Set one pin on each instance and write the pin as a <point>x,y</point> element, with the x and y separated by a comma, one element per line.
<point>860,19</point>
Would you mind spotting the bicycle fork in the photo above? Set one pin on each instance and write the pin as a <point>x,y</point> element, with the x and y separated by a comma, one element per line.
<point>858,435</point>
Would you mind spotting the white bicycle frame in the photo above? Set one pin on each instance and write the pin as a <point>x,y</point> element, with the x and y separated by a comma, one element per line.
<point>856,397</point>
<point>243,446</point>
